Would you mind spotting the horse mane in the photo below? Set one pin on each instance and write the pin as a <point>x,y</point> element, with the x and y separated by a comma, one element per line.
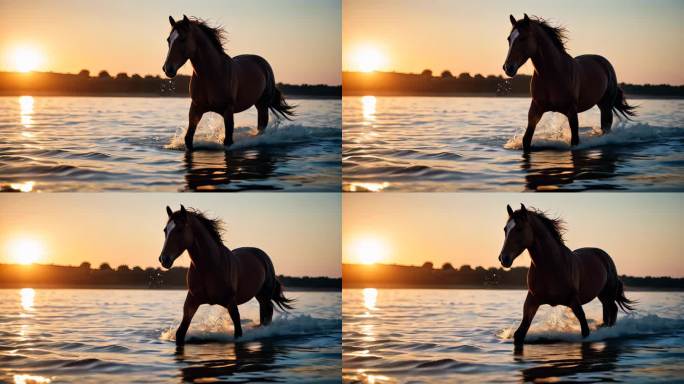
<point>556,226</point>
<point>558,35</point>
<point>216,35</point>
<point>213,226</point>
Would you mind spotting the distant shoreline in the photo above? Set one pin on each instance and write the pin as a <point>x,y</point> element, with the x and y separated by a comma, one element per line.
<point>480,287</point>
<point>486,95</point>
<point>145,288</point>
<point>144,95</point>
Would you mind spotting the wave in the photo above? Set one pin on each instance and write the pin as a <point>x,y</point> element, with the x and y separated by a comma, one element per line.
<point>566,328</point>
<point>554,133</point>
<point>210,136</point>
<point>219,328</point>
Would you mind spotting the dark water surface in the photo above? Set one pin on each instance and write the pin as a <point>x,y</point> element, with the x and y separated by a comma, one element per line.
<point>128,143</point>
<point>98,336</point>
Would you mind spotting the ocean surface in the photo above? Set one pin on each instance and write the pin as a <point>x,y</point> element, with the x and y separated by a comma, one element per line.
<point>106,336</point>
<point>128,143</point>
<point>451,336</point>
<point>475,143</point>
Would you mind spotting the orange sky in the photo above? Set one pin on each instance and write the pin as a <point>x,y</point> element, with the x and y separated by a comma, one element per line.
<point>642,232</point>
<point>300,38</point>
<point>300,231</point>
<point>642,39</point>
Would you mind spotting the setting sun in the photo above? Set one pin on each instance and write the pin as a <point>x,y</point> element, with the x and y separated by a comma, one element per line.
<point>369,250</point>
<point>26,59</point>
<point>26,250</point>
<point>368,58</point>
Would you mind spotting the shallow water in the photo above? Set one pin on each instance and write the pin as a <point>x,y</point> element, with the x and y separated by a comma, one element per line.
<point>128,143</point>
<point>72,335</point>
<point>456,335</point>
<point>469,143</point>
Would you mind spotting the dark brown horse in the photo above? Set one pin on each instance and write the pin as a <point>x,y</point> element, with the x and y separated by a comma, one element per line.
<point>220,83</point>
<point>218,275</point>
<point>561,83</point>
<point>557,275</point>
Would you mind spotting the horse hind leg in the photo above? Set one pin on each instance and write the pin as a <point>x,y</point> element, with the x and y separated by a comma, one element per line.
<point>606,118</point>
<point>265,310</point>
<point>262,118</point>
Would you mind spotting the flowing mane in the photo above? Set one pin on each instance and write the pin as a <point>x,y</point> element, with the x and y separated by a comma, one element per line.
<point>556,34</point>
<point>213,226</point>
<point>555,226</point>
<point>216,35</point>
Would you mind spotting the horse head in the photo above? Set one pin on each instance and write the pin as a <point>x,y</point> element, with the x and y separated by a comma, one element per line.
<point>181,45</point>
<point>518,235</point>
<point>521,45</point>
<point>178,236</point>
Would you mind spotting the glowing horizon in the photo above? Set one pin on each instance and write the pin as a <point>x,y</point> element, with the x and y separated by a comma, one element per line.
<point>300,39</point>
<point>641,40</point>
<point>640,231</point>
<point>126,228</point>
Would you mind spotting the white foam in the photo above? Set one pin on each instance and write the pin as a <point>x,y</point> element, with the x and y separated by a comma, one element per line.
<point>554,133</point>
<point>563,326</point>
<point>220,328</point>
<point>210,133</point>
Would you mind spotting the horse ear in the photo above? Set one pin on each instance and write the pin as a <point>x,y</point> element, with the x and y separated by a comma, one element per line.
<point>513,22</point>
<point>522,207</point>
<point>510,210</point>
<point>183,211</point>
<point>172,21</point>
<point>527,19</point>
<point>185,18</point>
<point>169,211</point>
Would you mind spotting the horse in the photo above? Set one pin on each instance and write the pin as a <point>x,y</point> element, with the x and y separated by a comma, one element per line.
<point>561,83</point>
<point>557,275</point>
<point>220,83</point>
<point>218,275</point>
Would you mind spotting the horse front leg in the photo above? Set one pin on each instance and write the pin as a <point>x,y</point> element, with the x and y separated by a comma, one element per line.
<point>194,117</point>
<point>529,310</point>
<point>533,116</point>
<point>576,307</point>
<point>574,127</point>
<point>229,123</point>
<point>235,317</point>
<point>189,310</point>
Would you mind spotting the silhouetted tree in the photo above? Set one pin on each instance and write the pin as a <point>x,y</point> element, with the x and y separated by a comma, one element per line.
<point>136,77</point>
<point>464,76</point>
<point>447,267</point>
<point>426,73</point>
<point>104,75</point>
<point>105,267</point>
<point>123,268</point>
<point>479,77</point>
<point>446,74</point>
<point>465,268</point>
<point>428,265</point>
<point>84,265</point>
<point>121,76</point>
<point>84,73</point>
<point>137,269</point>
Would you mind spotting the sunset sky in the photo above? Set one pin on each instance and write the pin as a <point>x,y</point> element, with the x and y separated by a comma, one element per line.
<point>300,38</point>
<point>300,231</point>
<point>642,39</point>
<point>642,232</point>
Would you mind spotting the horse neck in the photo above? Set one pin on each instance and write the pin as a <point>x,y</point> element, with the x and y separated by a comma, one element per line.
<point>545,251</point>
<point>548,60</point>
<point>205,252</point>
<point>206,60</point>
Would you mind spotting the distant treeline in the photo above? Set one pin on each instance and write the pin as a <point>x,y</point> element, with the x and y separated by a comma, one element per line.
<point>427,84</point>
<point>83,276</point>
<point>104,84</point>
<point>427,276</point>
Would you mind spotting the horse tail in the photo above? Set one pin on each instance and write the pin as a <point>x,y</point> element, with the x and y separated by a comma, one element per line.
<point>273,288</point>
<point>620,105</point>
<point>623,302</point>
<point>279,298</point>
<point>279,106</point>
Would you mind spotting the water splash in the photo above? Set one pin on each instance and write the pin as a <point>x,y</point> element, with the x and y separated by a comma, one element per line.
<point>220,328</point>
<point>554,133</point>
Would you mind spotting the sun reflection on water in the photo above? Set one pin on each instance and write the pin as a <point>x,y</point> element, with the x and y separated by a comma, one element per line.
<point>370,298</point>
<point>368,108</point>
<point>26,113</point>
<point>27,298</point>
<point>31,379</point>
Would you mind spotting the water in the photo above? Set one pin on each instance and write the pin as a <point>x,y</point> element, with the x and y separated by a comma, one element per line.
<point>452,336</point>
<point>468,143</point>
<point>128,143</point>
<point>73,335</point>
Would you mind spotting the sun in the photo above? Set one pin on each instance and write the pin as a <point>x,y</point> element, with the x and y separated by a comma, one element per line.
<point>26,250</point>
<point>26,58</point>
<point>369,250</point>
<point>368,58</point>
